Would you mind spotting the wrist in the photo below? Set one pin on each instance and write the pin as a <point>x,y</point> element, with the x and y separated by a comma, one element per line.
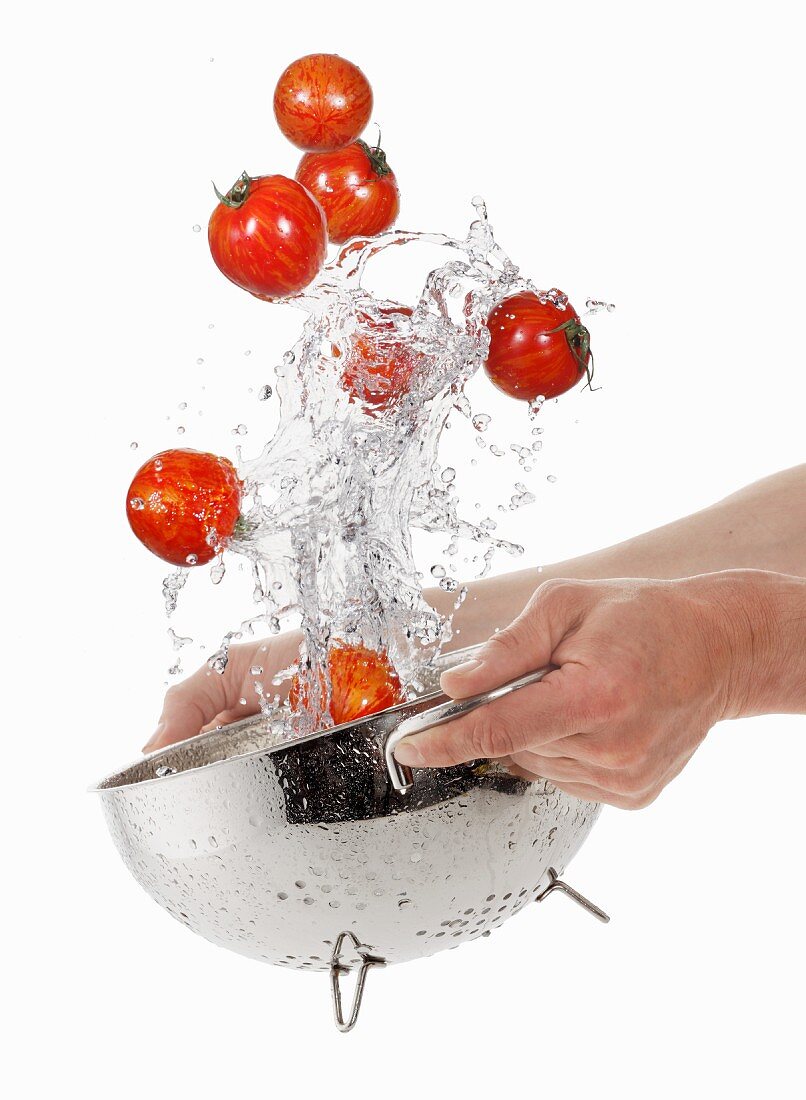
<point>758,622</point>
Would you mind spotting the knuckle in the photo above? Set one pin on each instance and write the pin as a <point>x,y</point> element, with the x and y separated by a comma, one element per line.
<point>614,754</point>
<point>611,694</point>
<point>505,643</point>
<point>489,736</point>
<point>625,752</point>
<point>630,783</point>
<point>606,693</point>
<point>642,799</point>
<point>556,586</point>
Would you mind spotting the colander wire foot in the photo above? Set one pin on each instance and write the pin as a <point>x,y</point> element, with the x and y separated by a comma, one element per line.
<point>556,883</point>
<point>336,970</point>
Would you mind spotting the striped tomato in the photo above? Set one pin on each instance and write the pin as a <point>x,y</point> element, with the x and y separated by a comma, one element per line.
<point>322,101</point>
<point>378,362</point>
<point>538,346</point>
<point>356,188</point>
<point>362,682</point>
<point>268,235</point>
<point>184,504</point>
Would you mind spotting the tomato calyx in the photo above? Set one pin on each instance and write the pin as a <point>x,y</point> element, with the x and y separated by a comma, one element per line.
<point>376,157</point>
<point>237,194</point>
<point>243,528</point>
<point>579,344</point>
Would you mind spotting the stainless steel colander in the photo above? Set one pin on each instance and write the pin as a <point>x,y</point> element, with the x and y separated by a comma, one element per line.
<point>323,853</point>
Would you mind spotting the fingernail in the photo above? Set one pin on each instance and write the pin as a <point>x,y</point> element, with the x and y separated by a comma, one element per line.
<point>465,668</point>
<point>155,738</point>
<point>408,753</point>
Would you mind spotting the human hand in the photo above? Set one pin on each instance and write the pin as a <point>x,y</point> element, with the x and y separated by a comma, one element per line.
<point>209,699</point>
<point>645,669</point>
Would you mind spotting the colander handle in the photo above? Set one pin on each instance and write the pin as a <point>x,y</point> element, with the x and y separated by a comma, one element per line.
<point>400,774</point>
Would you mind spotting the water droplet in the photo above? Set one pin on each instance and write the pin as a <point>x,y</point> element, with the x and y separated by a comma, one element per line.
<point>133,445</point>
<point>448,474</point>
<point>197,229</point>
<point>256,670</point>
<point>240,429</point>
<point>521,497</point>
<point>180,430</point>
<point>199,362</point>
<point>480,206</point>
<point>177,640</point>
<point>551,477</point>
<point>264,393</point>
<point>481,422</point>
<point>437,571</point>
<point>594,306</point>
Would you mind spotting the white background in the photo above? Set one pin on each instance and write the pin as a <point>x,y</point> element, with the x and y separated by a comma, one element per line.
<point>648,155</point>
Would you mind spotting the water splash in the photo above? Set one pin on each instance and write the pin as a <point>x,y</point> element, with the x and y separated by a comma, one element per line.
<point>352,467</point>
<point>337,490</point>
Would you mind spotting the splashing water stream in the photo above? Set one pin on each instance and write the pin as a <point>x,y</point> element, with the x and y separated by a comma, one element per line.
<point>337,490</point>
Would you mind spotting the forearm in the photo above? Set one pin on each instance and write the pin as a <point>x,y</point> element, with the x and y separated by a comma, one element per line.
<point>761,527</point>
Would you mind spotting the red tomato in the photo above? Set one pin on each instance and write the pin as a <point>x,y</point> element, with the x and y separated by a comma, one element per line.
<point>184,504</point>
<point>355,187</point>
<point>268,236</point>
<point>362,682</point>
<point>536,347</point>
<point>322,102</point>
<point>377,363</point>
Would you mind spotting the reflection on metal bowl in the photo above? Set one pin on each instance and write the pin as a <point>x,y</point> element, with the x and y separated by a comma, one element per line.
<point>303,854</point>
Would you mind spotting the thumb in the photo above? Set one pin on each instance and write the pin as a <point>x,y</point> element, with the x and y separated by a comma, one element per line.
<point>189,704</point>
<point>181,717</point>
<point>524,646</point>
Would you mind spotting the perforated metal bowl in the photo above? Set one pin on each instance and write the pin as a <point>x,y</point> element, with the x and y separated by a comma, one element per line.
<point>287,851</point>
